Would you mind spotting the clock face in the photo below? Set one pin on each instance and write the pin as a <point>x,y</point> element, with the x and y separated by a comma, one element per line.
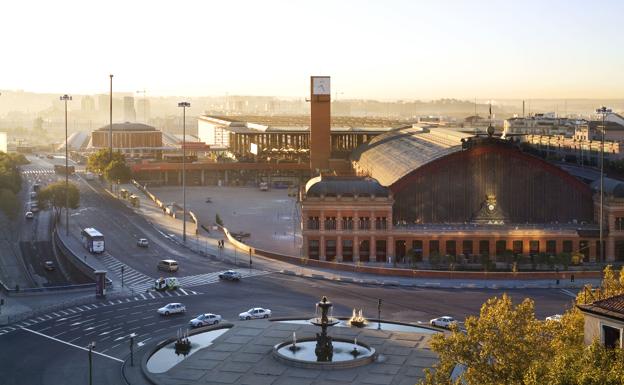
<point>320,86</point>
<point>491,207</point>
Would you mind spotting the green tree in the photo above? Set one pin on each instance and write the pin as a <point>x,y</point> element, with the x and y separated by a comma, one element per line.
<point>117,171</point>
<point>9,204</point>
<point>99,161</point>
<point>53,195</point>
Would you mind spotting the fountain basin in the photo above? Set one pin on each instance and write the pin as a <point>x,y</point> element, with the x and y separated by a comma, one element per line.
<point>305,356</point>
<point>371,324</point>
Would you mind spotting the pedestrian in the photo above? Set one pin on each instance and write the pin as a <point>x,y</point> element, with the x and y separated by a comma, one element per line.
<point>85,258</point>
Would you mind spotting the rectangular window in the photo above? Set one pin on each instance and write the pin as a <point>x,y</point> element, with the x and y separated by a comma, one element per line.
<point>347,250</point>
<point>484,248</point>
<point>534,247</point>
<point>330,249</point>
<point>619,223</point>
<point>451,248</point>
<point>313,249</point>
<point>501,246</point>
<point>313,223</point>
<point>611,337</point>
<point>364,223</point>
<point>584,249</point>
<point>567,247</point>
<point>380,223</point>
<point>347,223</point>
<point>330,223</point>
<point>417,247</point>
<point>380,250</point>
<point>467,247</point>
<point>365,251</point>
<point>551,247</point>
<point>517,247</point>
<point>434,247</point>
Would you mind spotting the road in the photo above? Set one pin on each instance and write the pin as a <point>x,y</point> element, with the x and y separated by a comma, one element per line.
<point>109,323</point>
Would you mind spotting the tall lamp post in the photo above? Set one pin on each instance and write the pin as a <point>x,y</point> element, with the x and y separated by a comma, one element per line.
<point>184,105</point>
<point>66,98</point>
<point>604,111</point>
<point>91,346</point>
<point>110,120</point>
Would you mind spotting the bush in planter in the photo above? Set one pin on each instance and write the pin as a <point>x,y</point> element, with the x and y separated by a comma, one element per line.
<point>577,259</point>
<point>434,259</point>
<point>564,259</point>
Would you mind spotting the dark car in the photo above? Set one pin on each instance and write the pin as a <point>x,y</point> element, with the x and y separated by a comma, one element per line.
<point>49,265</point>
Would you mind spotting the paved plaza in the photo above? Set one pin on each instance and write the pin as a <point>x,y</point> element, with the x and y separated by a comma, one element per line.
<point>270,217</point>
<point>243,355</point>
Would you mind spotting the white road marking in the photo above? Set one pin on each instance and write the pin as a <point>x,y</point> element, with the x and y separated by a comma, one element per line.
<point>75,346</point>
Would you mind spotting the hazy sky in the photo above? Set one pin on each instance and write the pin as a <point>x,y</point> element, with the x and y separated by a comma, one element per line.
<point>372,49</point>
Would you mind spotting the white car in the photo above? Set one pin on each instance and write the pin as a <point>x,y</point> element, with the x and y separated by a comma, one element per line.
<point>29,215</point>
<point>556,318</point>
<point>443,322</point>
<point>172,308</point>
<point>256,312</point>
<point>205,320</point>
<point>142,242</point>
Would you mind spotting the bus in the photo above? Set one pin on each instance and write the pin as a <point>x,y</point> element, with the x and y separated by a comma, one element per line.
<point>92,240</point>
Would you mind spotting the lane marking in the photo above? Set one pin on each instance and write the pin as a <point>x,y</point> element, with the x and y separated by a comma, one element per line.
<point>568,292</point>
<point>73,345</point>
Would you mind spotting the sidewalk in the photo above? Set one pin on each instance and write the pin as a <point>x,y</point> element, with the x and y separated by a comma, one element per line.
<point>206,243</point>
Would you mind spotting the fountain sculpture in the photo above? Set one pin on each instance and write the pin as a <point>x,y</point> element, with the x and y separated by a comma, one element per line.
<point>357,319</point>
<point>182,344</point>
<point>324,348</point>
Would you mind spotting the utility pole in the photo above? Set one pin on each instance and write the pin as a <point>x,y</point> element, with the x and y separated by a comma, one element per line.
<point>132,348</point>
<point>65,98</point>
<point>184,105</point>
<point>379,314</point>
<point>91,346</point>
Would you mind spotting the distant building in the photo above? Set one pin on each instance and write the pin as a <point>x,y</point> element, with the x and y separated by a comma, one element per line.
<point>604,321</point>
<point>136,140</point>
<point>541,124</point>
<point>4,142</point>
<point>143,110</point>
<point>87,104</point>
<point>129,112</point>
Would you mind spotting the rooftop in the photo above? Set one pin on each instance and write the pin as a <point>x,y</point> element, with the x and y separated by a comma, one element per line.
<point>345,186</point>
<point>127,126</point>
<point>612,307</point>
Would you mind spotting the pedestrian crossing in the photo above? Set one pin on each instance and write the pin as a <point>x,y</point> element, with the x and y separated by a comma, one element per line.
<point>70,311</point>
<point>204,279</point>
<point>38,171</point>
<point>131,277</point>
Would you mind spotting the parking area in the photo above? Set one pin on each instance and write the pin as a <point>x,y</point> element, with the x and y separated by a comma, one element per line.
<point>270,217</point>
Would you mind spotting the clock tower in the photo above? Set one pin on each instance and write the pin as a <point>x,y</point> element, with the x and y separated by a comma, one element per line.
<point>320,122</point>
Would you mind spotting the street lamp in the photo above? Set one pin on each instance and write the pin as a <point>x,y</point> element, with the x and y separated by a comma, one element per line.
<point>132,348</point>
<point>184,105</point>
<point>110,121</point>
<point>91,346</point>
<point>65,98</point>
<point>604,111</point>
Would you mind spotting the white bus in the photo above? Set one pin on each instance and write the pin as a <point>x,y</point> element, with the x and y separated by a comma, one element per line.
<point>92,240</point>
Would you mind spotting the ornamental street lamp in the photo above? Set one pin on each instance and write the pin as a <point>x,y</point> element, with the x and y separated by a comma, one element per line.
<point>91,346</point>
<point>65,98</point>
<point>604,111</point>
<point>184,105</point>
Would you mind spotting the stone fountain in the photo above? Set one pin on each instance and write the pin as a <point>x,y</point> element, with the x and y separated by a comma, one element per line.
<point>323,350</point>
<point>357,319</point>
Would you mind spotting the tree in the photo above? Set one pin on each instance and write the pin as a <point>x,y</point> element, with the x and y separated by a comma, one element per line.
<point>9,203</point>
<point>506,344</point>
<point>218,220</point>
<point>117,171</point>
<point>54,195</point>
<point>99,161</point>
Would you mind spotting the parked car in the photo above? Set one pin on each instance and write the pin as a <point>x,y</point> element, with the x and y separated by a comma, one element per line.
<point>443,322</point>
<point>142,242</point>
<point>29,215</point>
<point>231,275</point>
<point>256,312</point>
<point>555,317</point>
<point>205,320</point>
<point>49,265</point>
<point>172,308</point>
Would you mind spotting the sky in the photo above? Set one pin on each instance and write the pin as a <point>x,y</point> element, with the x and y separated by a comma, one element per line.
<point>390,49</point>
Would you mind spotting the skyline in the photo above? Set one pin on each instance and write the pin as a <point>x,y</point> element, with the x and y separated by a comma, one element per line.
<point>493,50</point>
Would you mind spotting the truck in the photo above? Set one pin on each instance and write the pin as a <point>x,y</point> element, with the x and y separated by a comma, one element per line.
<point>169,283</point>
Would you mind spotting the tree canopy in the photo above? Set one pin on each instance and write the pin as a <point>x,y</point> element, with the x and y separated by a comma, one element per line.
<point>113,170</point>
<point>117,171</point>
<point>10,182</point>
<point>54,195</point>
<point>507,344</point>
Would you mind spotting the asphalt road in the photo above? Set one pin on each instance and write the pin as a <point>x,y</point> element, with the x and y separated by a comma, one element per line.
<point>53,346</point>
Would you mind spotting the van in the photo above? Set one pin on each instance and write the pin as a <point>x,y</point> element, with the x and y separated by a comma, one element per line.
<point>168,265</point>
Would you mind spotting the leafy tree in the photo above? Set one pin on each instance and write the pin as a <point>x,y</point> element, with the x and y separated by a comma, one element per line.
<point>54,195</point>
<point>218,220</point>
<point>9,203</point>
<point>99,161</point>
<point>117,171</point>
<point>506,344</point>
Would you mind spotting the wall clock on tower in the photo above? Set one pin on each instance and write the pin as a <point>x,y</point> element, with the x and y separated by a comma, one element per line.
<point>320,85</point>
